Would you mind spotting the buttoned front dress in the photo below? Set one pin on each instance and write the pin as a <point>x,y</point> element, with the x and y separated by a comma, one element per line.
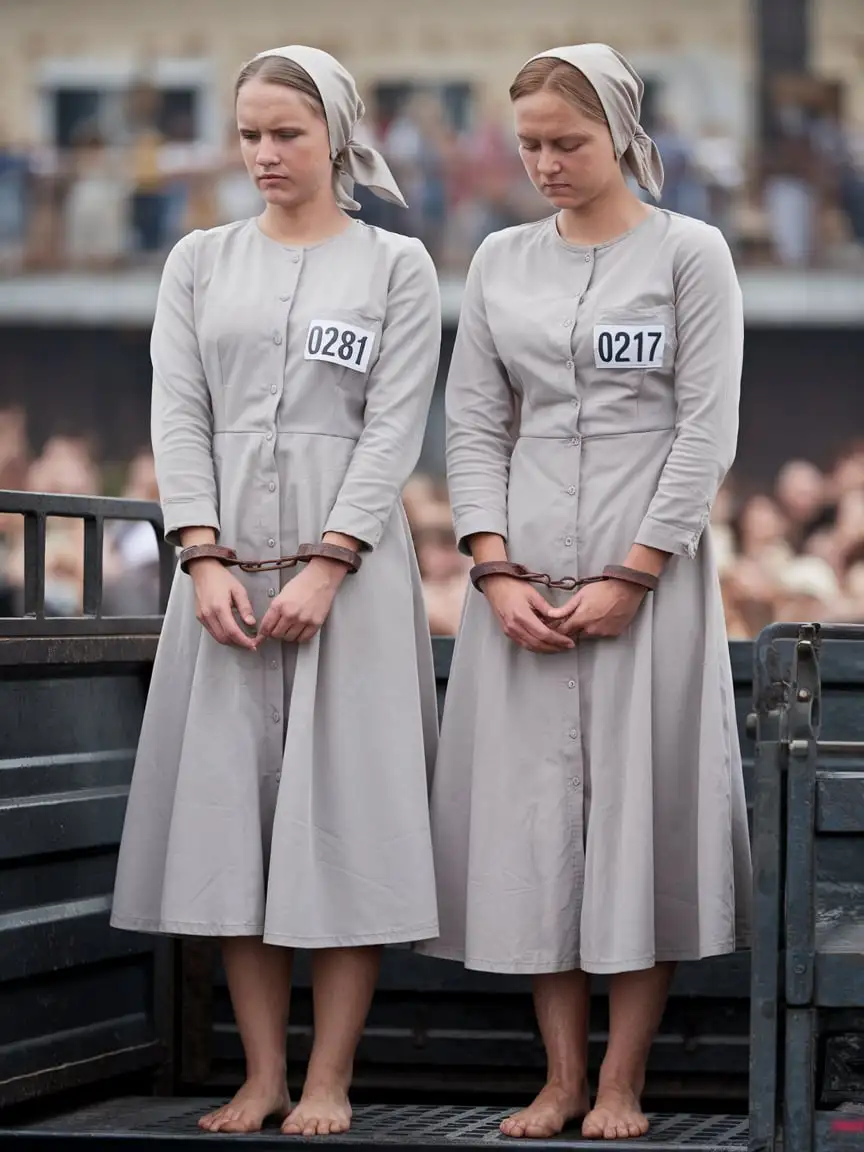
<point>284,792</point>
<point>588,807</point>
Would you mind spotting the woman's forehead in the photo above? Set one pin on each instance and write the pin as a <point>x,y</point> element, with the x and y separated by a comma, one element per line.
<point>545,115</point>
<point>270,105</point>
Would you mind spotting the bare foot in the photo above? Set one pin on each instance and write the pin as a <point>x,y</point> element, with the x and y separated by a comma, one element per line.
<point>322,1111</point>
<point>256,1101</point>
<point>549,1112</point>
<point>617,1115</point>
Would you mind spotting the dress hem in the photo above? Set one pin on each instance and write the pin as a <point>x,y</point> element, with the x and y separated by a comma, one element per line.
<point>595,967</point>
<point>410,935</point>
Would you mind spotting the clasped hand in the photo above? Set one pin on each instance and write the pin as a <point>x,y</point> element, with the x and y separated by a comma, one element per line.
<point>598,610</point>
<point>295,615</point>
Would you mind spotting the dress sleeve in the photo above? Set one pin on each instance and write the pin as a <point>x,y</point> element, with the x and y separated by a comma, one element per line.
<point>181,421</point>
<point>398,395</point>
<point>710,329</point>
<point>480,407</point>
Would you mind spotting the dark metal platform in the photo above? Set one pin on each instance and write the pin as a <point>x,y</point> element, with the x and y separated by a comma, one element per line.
<point>133,1120</point>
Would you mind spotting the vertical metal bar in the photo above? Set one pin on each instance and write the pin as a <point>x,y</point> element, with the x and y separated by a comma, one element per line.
<point>94,542</point>
<point>768,806</point>
<point>167,564</point>
<point>799,1096</point>
<point>804,705</point>
<point>34,564</point>
<point>769,795</point>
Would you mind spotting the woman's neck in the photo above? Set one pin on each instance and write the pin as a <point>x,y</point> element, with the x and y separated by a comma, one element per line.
<point>307,224</point>
<point>602,219</point>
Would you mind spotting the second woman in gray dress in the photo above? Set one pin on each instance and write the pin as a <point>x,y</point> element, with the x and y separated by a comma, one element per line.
<point>588,806</point>
<point>280,792</point>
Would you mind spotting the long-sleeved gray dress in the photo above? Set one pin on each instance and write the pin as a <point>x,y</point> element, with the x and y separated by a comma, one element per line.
<point>284,792</point>
<point>588,807</point>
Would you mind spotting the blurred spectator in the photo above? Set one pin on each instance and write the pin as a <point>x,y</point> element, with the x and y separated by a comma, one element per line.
<point>796,554</point>
<point>799,203</point>
<point>95,220</point>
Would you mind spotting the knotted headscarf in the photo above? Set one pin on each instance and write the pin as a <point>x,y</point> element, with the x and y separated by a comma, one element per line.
<point>355,163</point>
<point>619,89</point>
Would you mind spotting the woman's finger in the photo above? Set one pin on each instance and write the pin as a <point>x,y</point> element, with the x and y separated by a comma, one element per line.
<point>527,640</point>
<point>308,632</point>
<point>294,629</point>
<point>535,628</point>
<point>212,625</point>
<point>232,631</point>
<point>243,603</point>
<point>281,627</point>
<point>566,609</point>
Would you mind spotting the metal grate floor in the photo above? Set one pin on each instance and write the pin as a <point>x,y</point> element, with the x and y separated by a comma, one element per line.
<point>133,1120</point>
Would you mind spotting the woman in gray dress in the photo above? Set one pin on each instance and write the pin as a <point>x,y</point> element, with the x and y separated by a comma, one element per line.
<point>280,792</point>
<point>588,810</point>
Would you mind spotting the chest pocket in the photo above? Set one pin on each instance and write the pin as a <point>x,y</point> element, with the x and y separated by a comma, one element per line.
<point>628,342</point>
<point>344,343</point>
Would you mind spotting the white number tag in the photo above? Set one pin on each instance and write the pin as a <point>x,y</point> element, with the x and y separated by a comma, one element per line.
<point>336,342</point>
<point>629,345</point>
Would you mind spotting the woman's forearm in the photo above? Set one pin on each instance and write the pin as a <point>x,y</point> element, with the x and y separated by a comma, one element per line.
<point>486,546</point>
<point>645,559</point>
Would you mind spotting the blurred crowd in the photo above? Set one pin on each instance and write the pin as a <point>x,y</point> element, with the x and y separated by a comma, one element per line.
<point>105,200</point>
<point>795,552</point>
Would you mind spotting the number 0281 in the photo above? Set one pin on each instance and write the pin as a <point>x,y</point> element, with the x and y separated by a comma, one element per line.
<point>336,344</point>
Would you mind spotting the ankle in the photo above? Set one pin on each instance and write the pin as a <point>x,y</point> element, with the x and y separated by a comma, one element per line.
<point>271,1072</point>
<point>621,1079</point>
<point>567,1081</point>
<point>323,1078</point>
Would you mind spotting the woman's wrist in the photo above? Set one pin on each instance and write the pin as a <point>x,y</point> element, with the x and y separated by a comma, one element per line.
<point>487,547</point>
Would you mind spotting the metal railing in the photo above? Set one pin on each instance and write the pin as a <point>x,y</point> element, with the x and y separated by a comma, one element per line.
<point>94,511</point>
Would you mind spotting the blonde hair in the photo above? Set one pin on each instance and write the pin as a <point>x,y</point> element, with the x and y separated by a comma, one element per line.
<point>278,70</point>
<point>553,75</point>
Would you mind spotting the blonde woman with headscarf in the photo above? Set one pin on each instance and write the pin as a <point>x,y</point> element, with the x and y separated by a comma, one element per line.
<point>588,809</point>
<point>279,797</point>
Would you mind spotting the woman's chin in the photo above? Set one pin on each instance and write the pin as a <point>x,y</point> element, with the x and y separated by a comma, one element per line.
<point>562,197</point>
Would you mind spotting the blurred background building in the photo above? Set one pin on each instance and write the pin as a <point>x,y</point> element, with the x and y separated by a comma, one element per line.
<point>116,138</point>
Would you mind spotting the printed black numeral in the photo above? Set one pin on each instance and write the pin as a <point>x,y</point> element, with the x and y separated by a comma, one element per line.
<point>333,333</point>
<point>346,348</point>
<point>656,337</point>
<point>622,339</point>
<point>604,347</point>
<point>316,335</point>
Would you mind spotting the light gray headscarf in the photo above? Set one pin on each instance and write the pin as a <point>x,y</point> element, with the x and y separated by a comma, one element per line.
<point>343,108</point>
<point>619,88</point>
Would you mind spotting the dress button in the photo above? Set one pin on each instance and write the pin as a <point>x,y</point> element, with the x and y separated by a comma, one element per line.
<point>569,363</point>
<point>273,389</point>
<point>573,733</point>
<point>574,403</point>
<point>286,296</point>
<point>274,663</point>
<point>275,716</point>
<point>574,781</point>
<point>572,490</point>
<point>271,486</point>
<point>271,592</point>
<point>567,323</point>
<point>571,683</point>
<point>277,339</point>
<point>568,540</point>
<point>574,443</point>
<point>269,436</point>
<point>296,259</point>
<point>271,543</point>
<point>587,259</point>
